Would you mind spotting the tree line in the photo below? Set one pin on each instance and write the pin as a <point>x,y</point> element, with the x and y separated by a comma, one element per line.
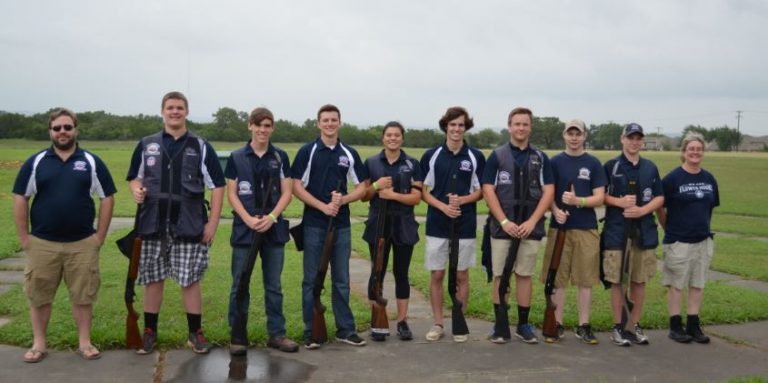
<point>229,125</point>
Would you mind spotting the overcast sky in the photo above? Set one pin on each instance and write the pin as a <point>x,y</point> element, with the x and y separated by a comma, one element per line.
<point>663,64</point>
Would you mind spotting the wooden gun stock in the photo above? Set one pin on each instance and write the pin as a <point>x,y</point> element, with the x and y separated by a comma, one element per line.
<point>319,332</point>
<point>132,336</point>
<point>549,327</point>
<point>379,320</point>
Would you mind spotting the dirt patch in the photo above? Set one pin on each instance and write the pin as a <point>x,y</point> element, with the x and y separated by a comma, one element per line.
<point>10,165</point>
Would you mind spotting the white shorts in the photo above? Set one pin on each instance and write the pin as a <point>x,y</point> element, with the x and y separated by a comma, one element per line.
<point>436,253</point>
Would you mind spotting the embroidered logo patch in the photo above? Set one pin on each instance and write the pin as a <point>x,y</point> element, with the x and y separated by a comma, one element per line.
<point>244,188</point>
<point>344,161</point>
<point>273,164</point>
<point>647,194</point>
<point>190,152</point>
<point>152,149</point>
<point>465,166</point>
<point>151,161</point>
<point>504,178</point>
<point>584,174</point>
<point>79,166</point>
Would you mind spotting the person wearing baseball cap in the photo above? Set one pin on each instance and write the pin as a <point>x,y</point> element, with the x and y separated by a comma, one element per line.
<point>579,188</point>
<point>634,192</point>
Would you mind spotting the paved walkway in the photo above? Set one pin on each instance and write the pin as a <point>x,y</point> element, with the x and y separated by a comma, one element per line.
<point>736,350</point>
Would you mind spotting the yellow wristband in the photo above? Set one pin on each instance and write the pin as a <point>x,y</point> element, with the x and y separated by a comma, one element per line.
<point>582,202</point>
<point>504,222</point>
<point>272,216</point>
<point>375,185</point>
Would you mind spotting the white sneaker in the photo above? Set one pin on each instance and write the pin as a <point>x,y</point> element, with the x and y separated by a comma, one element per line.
<point>435,333</point>
<point>460,338</point>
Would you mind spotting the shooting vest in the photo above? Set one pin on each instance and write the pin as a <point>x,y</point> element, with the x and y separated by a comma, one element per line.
<point>400,217</point>
<point>175,202</point>
<point>247,183</point>
<point>509,178</point>
<point>618,180</point>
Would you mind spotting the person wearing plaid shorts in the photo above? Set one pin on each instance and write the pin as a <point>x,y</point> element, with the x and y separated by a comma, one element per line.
<point>168,175</point>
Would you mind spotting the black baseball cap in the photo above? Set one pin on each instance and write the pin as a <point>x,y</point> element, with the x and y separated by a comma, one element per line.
<point>633,128</point>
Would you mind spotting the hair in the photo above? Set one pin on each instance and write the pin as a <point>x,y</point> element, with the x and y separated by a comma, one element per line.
<point>393,124</point>
<point>174,96</point>
<point>690,137</point>
<point>58,112</point>
<point>453,113</point>
<point>260,114</point>
<point>328,108</point>
<point>519,110</point>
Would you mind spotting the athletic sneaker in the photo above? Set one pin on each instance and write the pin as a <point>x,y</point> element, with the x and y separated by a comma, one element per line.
<point>695,333</point>
<point>460,338</point>
<point>584,332</point>
<point>353,340</point>
<point>197,341</point>
<point>560,331</point>
<point>378,337</point>
<point>526,334</point>
<point>309,344</point>
<point>148,342</point>
<point>679,335</point>
<point>498,339</point>
<point>618,336</point>
<point>640,335</point>
<point>435,333</point>
<point>403,331</point>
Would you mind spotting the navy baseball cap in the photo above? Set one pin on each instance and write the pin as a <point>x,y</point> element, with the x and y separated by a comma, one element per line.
<point>633,128</point>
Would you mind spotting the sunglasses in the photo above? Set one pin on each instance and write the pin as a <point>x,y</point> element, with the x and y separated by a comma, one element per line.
<point>66,128</point>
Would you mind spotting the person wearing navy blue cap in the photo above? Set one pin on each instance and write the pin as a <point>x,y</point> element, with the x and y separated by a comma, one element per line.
<point>62,243</point>
<point>321,170</point>
<point>635,207</point>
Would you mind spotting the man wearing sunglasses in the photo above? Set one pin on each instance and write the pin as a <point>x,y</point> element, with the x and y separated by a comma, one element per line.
<point>62,242</point>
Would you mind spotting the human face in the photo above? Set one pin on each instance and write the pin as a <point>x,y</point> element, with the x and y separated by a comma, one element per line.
<point>519,129</point>
<point>392,139</point>
<point>454,132</point>
<point>693,154</point>
<point>175,114</point>
<point>261,132</point>
<point>63,139</point>
<point>329,123</point>
<point>574,140</point>
<point>632,144</point>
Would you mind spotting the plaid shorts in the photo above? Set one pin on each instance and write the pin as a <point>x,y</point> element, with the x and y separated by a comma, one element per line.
<point>185,263</point>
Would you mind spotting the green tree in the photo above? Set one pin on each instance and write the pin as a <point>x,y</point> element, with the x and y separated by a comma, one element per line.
<point>547,132</point>
<point>727,139</point>
<point>605,136</point>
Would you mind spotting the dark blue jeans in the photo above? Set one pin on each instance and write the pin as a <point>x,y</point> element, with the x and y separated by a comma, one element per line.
<point>314,237</point>
<point>272,257</point>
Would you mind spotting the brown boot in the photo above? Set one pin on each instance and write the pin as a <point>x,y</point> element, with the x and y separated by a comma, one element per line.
<point>283,344</point>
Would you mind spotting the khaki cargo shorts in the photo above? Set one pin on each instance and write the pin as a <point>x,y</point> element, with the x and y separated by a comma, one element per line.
<point>580,260</point>
<point>643,265</point>
<point>48,262</point>
<point>525,263</point>
<point>687,264</point>
<point>437,249</point>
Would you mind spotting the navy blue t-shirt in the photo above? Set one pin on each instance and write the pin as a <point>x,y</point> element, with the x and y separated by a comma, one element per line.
<point>439,166</point>
<point>321,169</point>
<point>689,199</point>
<point>586,173</point>
<point>63,209</point>
<point>260,167</point>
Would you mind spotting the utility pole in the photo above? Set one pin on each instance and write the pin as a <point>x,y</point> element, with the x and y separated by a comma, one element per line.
<point>738,120</point>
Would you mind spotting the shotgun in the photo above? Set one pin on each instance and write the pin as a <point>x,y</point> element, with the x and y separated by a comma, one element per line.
<point>131,244</point>
<point>239,325</point>
<point>549,327</point>
<point>379,321</point>
<point>458,322</point>
<point>626,265</point>
<point>319,332</point>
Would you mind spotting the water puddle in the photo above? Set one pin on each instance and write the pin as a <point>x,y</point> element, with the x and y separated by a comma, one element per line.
<point>257,366</point>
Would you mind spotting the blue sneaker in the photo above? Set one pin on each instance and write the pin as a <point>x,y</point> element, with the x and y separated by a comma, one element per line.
<point>526,334</point>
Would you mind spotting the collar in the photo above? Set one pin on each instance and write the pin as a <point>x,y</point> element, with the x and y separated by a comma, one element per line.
<point>321,145</point>
<point>168,135</point>
<point>249,151</point>
<point>383,156</point>
<point>52,152</point>
<point>516,149</point>
<point>626,160</point>
<point>464,148</point>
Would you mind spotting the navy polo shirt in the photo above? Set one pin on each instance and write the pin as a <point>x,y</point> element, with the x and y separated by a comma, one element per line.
<point>521,157</point>
<point>439,166</point>
<point>260,166</point>
<point>586,173</point>
<point>403,164</point>
<point>321,169</point>
<point>63,209</point>
<point>212,176</point>
<point>689,199</point>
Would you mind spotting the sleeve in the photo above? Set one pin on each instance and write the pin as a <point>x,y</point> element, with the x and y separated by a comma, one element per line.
<point>133,170</point>
<point>230,171</point>
<point>418,175</point>
<point>424,162</point>
<point>607,172</point>
<point>490,170</point>
<point>359,168</point>
<point>599,180</point>
<point>285,163</point>
<point>22,179</point>
<point>214,167</point>
<point>658,190</point>
<point>716,191</point>
<point>300,164</point>
<point>546,171</point>
<point>105,178</point>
